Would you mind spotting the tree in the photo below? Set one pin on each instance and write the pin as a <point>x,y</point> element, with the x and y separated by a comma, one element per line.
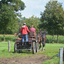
<point>8,15</point>
<point>52,17</point>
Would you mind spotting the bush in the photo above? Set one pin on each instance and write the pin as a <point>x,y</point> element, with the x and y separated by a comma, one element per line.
<point>8,38</point>
<point>49,38</point>
<point>60,39</point>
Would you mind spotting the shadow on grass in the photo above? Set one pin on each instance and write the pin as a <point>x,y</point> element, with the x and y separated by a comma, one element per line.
<point>27,52</point>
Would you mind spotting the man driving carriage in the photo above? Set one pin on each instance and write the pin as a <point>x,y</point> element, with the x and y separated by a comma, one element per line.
<point>24,30</point>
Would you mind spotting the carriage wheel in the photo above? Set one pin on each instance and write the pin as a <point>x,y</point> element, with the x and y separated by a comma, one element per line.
<point>20,51</point>
<point>33,47</point>
<point>15,47</point>
<point>37,48</point>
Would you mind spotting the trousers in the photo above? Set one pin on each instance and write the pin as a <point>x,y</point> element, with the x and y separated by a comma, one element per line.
<point>25,38</point>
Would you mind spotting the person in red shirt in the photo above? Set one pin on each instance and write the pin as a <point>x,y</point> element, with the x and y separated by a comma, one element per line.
<point>24,30</point>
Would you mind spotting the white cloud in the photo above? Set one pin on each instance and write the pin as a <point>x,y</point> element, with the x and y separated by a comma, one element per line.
<point>33,7</point>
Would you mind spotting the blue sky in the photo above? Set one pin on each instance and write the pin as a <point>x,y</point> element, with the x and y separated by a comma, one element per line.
<point>34,7</point>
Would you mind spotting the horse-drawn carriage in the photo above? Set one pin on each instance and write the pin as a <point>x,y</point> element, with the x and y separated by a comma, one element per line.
<point>33,43</point>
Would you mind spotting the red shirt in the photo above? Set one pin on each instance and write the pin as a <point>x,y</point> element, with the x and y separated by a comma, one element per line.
<point>24,30</point>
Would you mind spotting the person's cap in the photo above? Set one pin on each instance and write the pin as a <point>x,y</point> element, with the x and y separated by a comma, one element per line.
<point>24,23</point>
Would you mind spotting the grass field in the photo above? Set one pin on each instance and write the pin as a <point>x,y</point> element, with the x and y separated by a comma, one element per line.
<point>50,50</point>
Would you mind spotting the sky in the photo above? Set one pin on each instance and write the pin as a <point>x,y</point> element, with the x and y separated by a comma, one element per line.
<point>35,7</point>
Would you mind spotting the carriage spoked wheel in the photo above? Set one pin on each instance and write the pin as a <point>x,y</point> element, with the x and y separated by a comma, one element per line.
<point>15,47</point>
<point>34,47</point>
<point>20,51</point>
<point>37,48</point>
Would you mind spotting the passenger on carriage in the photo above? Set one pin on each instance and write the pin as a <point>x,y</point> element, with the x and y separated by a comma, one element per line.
<point>24,30</point>
<point>32,29</point>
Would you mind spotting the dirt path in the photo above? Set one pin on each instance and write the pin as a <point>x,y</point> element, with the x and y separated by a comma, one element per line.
<point>25,60</point>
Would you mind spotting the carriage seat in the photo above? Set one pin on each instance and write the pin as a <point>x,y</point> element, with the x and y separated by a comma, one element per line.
<point>32,35</point>
<point>18,39</point>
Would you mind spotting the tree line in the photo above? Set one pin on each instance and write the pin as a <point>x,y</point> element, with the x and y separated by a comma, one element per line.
<point>51,20</point>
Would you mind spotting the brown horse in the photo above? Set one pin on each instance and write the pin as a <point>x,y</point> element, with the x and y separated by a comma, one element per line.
<point>42,38</point>
<point>39,38</point>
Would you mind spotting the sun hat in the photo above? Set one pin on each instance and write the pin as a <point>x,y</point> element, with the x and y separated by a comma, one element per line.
<point>24,23</point>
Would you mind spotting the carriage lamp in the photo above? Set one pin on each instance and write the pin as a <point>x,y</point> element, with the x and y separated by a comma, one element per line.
<point>17,42</point>
<point>29,42</point>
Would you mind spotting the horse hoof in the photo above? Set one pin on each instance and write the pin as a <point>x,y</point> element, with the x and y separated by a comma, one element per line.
<point>43,49</point>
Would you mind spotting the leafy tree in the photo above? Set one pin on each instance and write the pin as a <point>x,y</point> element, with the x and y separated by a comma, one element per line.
<point>52,17</point>
<point>14,28</point>
<point>8,13</point>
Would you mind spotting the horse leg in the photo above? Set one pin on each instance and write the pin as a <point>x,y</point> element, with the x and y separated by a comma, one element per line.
<point>40,45</point>
<point>43,44</point>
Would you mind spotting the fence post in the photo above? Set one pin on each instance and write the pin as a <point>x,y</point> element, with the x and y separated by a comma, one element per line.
<point>61,55</point>
<point>9,46</point>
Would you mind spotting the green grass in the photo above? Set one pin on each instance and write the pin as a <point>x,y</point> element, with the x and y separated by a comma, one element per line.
<point>50,50</point>
<point>55,60</point>
<point>4,53</point>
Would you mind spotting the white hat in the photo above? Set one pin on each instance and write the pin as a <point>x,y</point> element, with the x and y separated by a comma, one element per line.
<point>24,23</point>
